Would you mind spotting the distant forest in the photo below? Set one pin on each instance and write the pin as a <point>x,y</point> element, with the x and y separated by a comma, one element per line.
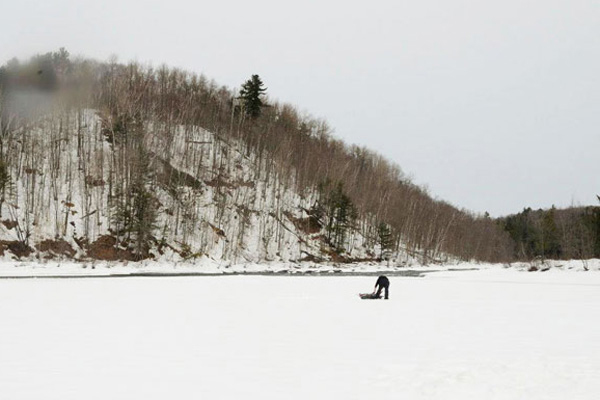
<point>358,188</point>
<point>555,234</point>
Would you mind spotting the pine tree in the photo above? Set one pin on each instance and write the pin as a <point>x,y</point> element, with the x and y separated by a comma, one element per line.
<point>591,220</point>
<point>250,94</point>
<point>337,211</point>
<point>384,239</point>
<point>136,212</point>
<point>136,215</point>
<point>144,219</point>
<point>550,240</point>
<point>524,232</point>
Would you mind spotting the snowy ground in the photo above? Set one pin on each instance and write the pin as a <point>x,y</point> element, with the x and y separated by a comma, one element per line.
<point>487,334</point>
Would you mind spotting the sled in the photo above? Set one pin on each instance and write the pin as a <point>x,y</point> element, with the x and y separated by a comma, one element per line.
<point>365,296</point>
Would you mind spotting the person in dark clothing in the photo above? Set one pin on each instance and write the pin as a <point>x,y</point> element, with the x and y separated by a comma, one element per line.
<point>382,283</point>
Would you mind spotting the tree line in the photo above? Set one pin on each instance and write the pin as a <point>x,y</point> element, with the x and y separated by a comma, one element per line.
<point>572,233</point>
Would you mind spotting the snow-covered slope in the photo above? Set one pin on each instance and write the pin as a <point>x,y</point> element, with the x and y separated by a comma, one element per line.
<point>215,197</point>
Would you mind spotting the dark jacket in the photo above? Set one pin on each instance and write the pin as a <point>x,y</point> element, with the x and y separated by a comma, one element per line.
<point>382,281</point>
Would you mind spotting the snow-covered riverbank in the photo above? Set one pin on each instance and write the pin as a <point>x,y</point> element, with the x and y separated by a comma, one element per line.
<point>207,266</point>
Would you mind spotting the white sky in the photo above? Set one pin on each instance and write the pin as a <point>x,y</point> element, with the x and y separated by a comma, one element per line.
<point>494,105</point>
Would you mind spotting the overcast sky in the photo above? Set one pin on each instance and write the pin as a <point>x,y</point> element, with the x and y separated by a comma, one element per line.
<point>493,105</point>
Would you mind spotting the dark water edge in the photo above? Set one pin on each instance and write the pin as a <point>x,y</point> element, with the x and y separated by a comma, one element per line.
<point>283,273</point>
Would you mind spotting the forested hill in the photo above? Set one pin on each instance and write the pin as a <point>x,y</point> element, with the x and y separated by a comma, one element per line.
<point>112,161</point>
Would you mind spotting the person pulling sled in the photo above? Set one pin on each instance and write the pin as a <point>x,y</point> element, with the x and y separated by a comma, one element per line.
<point>383,283</point>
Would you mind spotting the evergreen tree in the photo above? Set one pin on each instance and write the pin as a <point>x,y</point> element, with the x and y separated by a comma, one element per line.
<point>136,216</point>
<point>597,230</point>
<point>136,210</point>
<point>5,182</point>
<point>384,239</point>
<point>524,233</point>
<point>250,94</point>
<point>344,215</point>
<point>144,219</point>
<point>549,245</point>
<point>591,220</point>
<point>337,211</point>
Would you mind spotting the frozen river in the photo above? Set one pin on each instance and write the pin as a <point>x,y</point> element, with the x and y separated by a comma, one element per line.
<point>452,335</point>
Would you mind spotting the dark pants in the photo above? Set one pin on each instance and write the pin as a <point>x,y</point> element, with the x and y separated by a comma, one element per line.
<point>387,291</point>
